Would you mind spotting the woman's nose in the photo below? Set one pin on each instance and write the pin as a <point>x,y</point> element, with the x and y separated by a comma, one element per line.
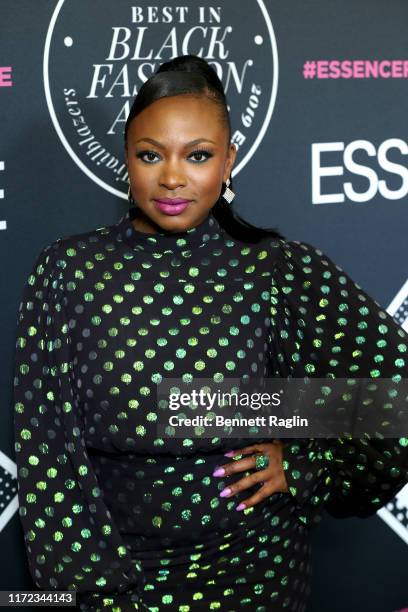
<point>172,176</point>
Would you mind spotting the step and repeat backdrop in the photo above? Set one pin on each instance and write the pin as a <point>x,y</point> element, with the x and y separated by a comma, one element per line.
<point>317,93</point>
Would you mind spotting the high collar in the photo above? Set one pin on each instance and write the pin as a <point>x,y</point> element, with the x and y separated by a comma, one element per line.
<point>206,232</point>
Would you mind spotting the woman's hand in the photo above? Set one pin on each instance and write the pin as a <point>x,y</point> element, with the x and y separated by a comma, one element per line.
<point>272,477</point>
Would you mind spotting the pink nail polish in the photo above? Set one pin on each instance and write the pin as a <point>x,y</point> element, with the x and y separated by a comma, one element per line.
<point>241,506</point>
<point>219,472</point>
<point>225,492</point>
<point>229,454</point>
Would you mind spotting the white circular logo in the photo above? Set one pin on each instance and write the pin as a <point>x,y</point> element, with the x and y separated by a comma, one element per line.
<point>98,55</point>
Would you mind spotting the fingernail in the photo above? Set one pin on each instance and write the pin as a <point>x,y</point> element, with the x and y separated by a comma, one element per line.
<point>219,472</point>
<point>240,507</point>
<point>225,492</point>
<point>229,454</point>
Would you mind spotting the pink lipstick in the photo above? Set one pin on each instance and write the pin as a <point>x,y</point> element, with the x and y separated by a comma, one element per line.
<point>172,206</point>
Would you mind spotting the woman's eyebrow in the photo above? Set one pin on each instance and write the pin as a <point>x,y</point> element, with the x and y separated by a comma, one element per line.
<point>188,144</point>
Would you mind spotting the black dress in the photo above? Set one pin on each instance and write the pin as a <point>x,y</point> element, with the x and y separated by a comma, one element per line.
<point>131,520</point>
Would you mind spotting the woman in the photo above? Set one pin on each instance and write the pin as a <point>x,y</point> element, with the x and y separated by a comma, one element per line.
<point>182,287</point>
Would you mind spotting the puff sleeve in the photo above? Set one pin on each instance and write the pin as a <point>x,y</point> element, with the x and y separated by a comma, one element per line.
<point>323,324</point>
<point>70,539</point>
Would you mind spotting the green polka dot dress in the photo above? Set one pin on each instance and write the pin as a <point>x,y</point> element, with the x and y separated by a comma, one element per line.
<point>134,521</point>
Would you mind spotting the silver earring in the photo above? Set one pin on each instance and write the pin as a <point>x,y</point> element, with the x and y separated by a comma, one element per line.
<point>228,194</point>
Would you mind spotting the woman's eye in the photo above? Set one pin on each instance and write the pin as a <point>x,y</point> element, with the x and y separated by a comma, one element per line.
<point>146,156</point>
<point>200,153</point>
<point>142,154</point>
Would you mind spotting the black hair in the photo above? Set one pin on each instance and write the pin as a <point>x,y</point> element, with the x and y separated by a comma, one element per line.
<point>194,76</point>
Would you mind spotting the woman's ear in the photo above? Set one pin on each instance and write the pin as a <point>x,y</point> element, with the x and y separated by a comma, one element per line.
<point>231,157</point>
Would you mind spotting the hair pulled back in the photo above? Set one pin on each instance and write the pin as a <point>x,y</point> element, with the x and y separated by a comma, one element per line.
<point>190,74</point>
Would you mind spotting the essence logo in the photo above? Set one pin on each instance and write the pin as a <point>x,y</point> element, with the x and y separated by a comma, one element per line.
<point>357,158</point>
<point>98,55</point>
<point>355,69</point>
<point>5,76</point>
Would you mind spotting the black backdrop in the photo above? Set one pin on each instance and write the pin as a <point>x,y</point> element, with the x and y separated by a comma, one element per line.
<point>67,70</point>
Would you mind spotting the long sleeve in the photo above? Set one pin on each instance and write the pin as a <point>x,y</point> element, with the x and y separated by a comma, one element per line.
<point>70,538</point>
<point>325,325</point>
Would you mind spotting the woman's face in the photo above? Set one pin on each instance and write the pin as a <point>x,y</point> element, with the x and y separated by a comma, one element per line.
<point>177,148</point>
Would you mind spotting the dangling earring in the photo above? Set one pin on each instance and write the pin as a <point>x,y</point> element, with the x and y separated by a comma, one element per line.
<point>228,194</point>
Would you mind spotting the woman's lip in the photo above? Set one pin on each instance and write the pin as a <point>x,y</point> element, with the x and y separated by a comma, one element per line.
<point>171,209</point>
<point>172,201</point>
